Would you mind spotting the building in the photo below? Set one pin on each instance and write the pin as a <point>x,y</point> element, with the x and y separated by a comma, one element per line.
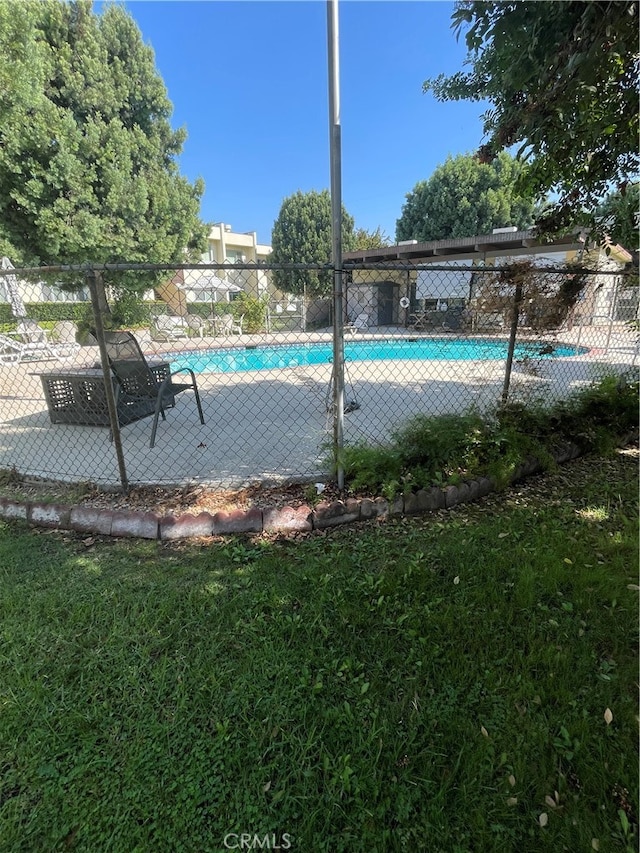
<point>229,247</point>
<point>381,293</point>
<point>17,292</point>
<point>224,247</point>
<point>207,286</point>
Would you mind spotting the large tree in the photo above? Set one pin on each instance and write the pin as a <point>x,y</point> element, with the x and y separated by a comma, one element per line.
<point>562,82</point>
<point>302,235</point>
<point>464,197</point>
<point>365,239</point>
<point>88,168</point>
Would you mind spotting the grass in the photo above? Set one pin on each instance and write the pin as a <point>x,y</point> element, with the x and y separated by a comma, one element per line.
<point>429,684</point>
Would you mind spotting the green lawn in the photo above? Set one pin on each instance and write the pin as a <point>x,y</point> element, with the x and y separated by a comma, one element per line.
<point>435,684</point>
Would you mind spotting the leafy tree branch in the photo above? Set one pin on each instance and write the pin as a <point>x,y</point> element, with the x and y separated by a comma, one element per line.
<point>562,81</point>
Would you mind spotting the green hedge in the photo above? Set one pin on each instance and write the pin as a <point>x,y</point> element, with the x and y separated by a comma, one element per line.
<point>131,312</point>
<point>128,311</point>
<point>47,312</point>
<point>51,312</point>
<point>6,316</point>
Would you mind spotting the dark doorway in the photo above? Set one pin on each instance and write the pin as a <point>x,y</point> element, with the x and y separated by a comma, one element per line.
<point>385,303</point>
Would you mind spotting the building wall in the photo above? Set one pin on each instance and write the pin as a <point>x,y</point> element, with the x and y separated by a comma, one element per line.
<point>231,247</point>
<point>368,293</point>
<point>603,300</point>
<point>599,304</point>
<point>40,291</point>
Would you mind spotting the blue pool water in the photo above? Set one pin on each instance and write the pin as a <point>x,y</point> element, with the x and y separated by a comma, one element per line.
<point>239,359</point>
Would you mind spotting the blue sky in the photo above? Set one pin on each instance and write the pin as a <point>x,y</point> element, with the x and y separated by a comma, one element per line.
<point>248,80</point>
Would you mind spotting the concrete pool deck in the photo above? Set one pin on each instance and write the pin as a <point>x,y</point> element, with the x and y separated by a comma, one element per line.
<point>272,426</point>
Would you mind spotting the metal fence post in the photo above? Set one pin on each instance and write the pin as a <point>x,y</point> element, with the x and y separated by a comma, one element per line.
<point>609,333</point>
<point>335,151</point>
<point>304,308</point>
<point>517,299</point>
<point>94,282</point>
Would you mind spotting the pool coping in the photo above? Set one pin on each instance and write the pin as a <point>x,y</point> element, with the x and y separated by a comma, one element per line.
<point>271,520</point>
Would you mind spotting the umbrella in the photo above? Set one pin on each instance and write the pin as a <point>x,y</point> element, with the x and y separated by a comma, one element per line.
<point>203,280</point>
<point>11,282</point>
<point>206,281</point>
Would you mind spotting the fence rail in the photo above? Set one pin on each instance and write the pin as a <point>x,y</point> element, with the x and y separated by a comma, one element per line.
<point>417,339</point>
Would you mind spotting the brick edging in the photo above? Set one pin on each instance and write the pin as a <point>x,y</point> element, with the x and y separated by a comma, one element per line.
<point>286,519</point>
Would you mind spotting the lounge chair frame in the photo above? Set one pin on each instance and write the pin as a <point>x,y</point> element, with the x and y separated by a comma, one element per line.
<point>14,351</point>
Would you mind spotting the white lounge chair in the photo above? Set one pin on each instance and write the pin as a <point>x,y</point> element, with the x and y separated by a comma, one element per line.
<point>31,332</point>
<point>61,344</point>
<point>13,351</point>
<point>359,324</point>
<point>166,328</point>
<point>10,350</point>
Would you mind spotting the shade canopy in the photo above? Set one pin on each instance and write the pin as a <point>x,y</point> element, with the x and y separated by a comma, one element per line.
<point>205,280</point>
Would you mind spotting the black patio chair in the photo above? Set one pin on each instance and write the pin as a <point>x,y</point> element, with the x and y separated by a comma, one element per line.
<point>138,390</point>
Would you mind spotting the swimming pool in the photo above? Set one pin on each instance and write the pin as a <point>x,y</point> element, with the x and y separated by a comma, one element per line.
<point>276,357</point>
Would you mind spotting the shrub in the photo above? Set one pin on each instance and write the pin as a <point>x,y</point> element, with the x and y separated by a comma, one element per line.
<point>204,310</point>
<point>129,309</point>
<point>595,417</point>
<point>254,310</point>
<point>371,467</point>
<point>432,450</point>
<point>442,440</point>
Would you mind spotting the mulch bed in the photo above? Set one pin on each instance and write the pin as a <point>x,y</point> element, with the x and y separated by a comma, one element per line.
<point>189,499</point>
<point>165,501</point>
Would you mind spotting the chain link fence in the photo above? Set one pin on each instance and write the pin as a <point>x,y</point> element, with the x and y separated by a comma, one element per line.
<point>77,407</point>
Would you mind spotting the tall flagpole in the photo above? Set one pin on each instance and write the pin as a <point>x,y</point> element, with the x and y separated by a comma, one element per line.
<point>336,237</point>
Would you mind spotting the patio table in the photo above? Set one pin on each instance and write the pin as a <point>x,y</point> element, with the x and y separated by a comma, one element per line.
<point>78,396</point>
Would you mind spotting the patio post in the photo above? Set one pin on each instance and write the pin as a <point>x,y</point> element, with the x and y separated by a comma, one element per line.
<point>96,289</point>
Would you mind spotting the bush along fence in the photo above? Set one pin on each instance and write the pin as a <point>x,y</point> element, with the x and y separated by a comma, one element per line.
<point>288,391</point>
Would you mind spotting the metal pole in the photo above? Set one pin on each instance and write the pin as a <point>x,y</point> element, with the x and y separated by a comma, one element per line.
<point>94,282</point>
<point>609,332</point>
<point>304,306</point>
<point>517,299</point>
<point>579,334</point>
<point>336,242</point>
